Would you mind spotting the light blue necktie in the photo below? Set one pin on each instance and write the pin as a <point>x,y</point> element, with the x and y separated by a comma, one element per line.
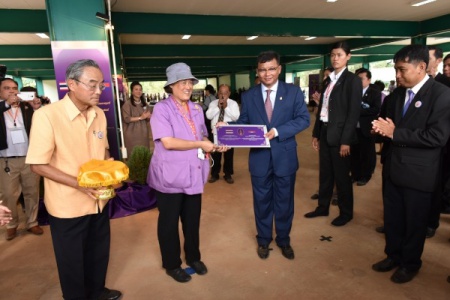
<point>411,97</point>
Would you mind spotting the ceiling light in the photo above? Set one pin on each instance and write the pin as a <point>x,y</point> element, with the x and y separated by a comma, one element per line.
<point>251,38</point>
<point>331,1</point>
<point>186,37</point>
<point>421,2</point>
<point>42,35</point>
<point>310,38</point>
<point>109,26</point>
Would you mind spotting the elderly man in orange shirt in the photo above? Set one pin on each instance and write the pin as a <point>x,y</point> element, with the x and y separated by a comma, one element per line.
<point>65,135</point>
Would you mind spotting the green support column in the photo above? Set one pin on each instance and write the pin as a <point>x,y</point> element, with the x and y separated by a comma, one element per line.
<point>19,81</point>
<point>282,76</point>
<point>232,82</point>
<point>39,87</point>
<point>419,40</point>
<point>252,77</point>
<point>366,65</point>
<point>76,21</point>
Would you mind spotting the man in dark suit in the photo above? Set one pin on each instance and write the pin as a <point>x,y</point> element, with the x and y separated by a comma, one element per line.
<point>436,56</point>
<point>334,132</point>
<point>438,202</point>
<point>363,153</point>
<point>418,124</point>
<point>15,175</point>
<point>281,107</point>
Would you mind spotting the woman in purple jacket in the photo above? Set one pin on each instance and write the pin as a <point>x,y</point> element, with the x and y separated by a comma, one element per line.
<point>179,170</point>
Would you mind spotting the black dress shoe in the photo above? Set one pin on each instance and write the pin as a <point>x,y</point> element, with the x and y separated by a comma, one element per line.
<point>263,251</point>
<point>430,232</point>
<point>380,229</point>
<point>287,251</point>
<point>315,196</point>
<point>341,220</point>
<point>108,294</point>
<point>316,213</point>
<point>213,179</point>
<point>385,265</point>
<point>402,275</point>
<point>228,179</point>
<point>179,275</point>
<point>199,267</point>
<point>362,182</point>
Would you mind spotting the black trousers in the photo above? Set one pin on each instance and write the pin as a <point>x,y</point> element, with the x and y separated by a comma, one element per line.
<point>227,163</point>
<point>363,157</point>
<point>81,248</point>
<point>172,207</point>
<point>334,169</point>
<point>406,214</point>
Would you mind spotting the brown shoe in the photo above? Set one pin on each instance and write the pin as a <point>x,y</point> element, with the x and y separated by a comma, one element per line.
<point>11,233</point>
<point>36,230</point>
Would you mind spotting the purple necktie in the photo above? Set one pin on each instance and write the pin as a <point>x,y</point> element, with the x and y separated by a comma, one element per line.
<point>411,97</point>
<point>268,105</point>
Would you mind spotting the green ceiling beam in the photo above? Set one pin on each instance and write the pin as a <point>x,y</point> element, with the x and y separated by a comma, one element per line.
<point>23,20</point>
<point>137,51</point>
<point>25,51</point>
<point>151,23</point>
<point>27,64</point>
<point>381,50</point>
<point>33,73</point>
<point>201,61</point>
<point>125,22</point>
<point>435,25</point>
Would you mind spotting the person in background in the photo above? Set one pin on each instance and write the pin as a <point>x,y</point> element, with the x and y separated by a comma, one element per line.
<point>179,170</point>
<point>210,96</point>
<point>363,156</point>
<point>418,124</point>
<point>16,176</point>
<point>281,108</point>
<point>316,98</point>
<point>64,136</point>
<point>136,114</point>
<point>391,86</point>
<point>222,110</point>
<point>333,134</point>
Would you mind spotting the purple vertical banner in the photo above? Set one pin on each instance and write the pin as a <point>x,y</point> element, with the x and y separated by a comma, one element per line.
<point>314,85</point>
<point>67,52</point>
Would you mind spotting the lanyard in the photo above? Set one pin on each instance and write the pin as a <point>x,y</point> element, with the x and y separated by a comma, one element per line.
<point>329,89</point>
<point>187,117</point>
<point>15,115</point>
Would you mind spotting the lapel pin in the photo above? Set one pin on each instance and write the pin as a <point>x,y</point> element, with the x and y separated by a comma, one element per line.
<point>281,98</point>
<point>418,104</point>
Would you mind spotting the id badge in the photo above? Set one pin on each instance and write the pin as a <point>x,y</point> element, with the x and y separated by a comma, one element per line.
<point>17,136</point>
<point>200,154</point>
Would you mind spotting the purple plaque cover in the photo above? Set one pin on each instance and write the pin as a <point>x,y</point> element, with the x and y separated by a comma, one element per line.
<point>251,136</point>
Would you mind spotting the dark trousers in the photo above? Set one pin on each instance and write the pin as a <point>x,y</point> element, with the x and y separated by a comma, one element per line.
<point>334,169</point>
<point>227,163</point>
<point>273,198</point>
<point>437,201</point>
<point>363,157</point>
<point>405,223</point>
<point>81,248</point>
<point>172,207</point>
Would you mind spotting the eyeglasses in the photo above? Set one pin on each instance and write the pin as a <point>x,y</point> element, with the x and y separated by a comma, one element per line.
<point>93,88</point>
<point>269,70</point>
